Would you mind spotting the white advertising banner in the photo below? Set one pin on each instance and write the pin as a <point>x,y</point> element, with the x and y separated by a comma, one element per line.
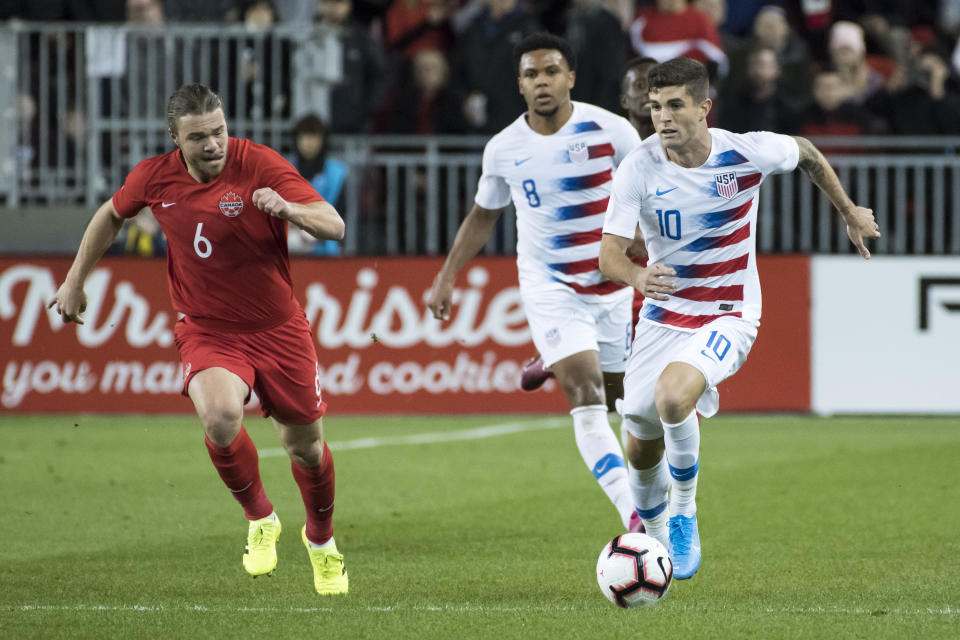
<point>885,334</point>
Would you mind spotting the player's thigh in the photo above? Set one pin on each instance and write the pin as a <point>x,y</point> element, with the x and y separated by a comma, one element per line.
<point>288,372</point>
<point>613,319</point>
<point>652,349</point>
<point>561,324</point>
<point>717,350</point>
<point>217,374</point>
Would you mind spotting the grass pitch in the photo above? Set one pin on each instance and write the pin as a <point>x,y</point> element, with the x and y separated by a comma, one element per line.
<point>118,527</point>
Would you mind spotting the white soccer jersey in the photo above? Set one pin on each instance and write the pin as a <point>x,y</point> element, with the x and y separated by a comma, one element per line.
<point>701,222</point>
<point>560,186</point>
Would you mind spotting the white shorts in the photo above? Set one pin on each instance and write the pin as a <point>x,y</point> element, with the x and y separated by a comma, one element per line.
<point>717,350</point>
<point>562,323</point>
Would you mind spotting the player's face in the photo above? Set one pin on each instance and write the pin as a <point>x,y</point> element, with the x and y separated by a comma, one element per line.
<point>677,117</point>
<point>203,141</point>
<point>545,81</point>
<point>634,96</point>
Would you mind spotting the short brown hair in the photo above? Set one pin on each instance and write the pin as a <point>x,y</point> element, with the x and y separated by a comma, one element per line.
<point>681,72</point>
<point>191,99</point>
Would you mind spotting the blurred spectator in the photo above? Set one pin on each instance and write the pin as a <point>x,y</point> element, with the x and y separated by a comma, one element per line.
<point>771,29</point>
<point>926,106</point>
<point>848,53</point>
<point>262,74</point>
<point>295,11</point>
<point>145,12</point>
<point>413,26</point>
<point>673,28</point>
<point>357,96</point>
<point>758,105</point>
<point>325,174</point>
<point>739,16</point>
<point>600,45</point>
<point>215,11</point>
<point>635,95</point>
<point>76,10</point>
<point>426,105</point>
<point>717,11</point>
<point>484,66</point>
<point>831,113</point>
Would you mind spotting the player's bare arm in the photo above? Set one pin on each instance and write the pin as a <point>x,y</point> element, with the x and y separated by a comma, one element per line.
<point>70,300</point>
<point>474,232</point>
<point>860,221</point>
<point>651,281</point>
<point>637,248</point>
<point>319,219</point>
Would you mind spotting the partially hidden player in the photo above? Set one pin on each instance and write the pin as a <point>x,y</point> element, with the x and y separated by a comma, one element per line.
<point>555,163</point>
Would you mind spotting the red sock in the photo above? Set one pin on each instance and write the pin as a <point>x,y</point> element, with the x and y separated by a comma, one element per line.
<point>317,488</point>
<point>239,468</point>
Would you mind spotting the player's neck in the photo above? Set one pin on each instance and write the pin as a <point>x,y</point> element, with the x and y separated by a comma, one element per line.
<point>643,125</point>
<point>549,125</point>
<point>693,154</point>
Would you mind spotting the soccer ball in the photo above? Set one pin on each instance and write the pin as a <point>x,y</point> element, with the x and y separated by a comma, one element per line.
<point>634,570</point>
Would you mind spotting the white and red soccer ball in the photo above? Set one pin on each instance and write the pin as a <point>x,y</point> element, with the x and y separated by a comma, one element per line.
<point>634,570</point>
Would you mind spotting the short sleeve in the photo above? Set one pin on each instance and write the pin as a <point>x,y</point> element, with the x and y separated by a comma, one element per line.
<point>130,198</point>
<point>625,140</point>
<point>773,152</point>
<point>493,192</point>
<point>281,176</point>
<point>626,201</point>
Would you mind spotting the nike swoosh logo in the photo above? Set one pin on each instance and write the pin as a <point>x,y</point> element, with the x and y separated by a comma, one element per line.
<point>517,163</point>
<point>167,204</point>
<point>661,193</point>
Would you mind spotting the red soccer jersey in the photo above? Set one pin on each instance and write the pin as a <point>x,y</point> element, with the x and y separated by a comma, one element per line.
<point>227,261</point>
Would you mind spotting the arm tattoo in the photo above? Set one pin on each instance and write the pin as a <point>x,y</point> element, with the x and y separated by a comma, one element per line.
<point>811,160</point>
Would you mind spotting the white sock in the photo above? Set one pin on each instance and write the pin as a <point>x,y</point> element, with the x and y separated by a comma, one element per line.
<point>649,488</point>
<point>603,455</point>
<point>328,544</point>
<point>682,443</point>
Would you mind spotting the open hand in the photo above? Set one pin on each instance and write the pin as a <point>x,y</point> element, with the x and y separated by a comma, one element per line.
<point>652,282</point>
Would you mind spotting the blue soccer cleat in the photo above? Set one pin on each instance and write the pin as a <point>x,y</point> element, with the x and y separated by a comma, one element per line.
<point>684,546</point>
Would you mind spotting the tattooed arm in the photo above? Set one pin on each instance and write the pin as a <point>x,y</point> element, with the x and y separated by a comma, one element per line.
<point>860,221</point>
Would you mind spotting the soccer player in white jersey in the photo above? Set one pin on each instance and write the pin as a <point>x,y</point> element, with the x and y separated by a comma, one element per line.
<point>693,190</point>
<point>556,162</point>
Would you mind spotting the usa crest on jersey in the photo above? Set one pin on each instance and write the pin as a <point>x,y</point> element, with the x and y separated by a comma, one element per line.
<point>579,153</point>
<point>727,186</point>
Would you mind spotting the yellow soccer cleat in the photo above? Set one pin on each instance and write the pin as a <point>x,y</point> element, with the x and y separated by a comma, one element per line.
<point>329,574</point>
<point>260,556</point>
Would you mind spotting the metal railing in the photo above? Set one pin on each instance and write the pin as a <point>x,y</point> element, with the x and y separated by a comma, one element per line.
<point>82,104</point>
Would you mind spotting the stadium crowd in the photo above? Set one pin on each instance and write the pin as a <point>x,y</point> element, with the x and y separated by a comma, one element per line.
<point>446,67</point>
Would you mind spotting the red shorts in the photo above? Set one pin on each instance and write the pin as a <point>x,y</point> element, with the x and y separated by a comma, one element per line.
<point>280,364</point>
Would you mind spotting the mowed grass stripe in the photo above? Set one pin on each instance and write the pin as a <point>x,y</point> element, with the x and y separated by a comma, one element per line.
<point>811,528</point>
<point>480,433</point>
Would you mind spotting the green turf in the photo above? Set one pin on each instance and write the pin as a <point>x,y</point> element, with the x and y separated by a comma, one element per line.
<point>811,528</point>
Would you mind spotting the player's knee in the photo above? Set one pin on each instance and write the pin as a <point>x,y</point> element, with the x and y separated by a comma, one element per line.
<point>581,393</point>
<point>221,422</point>
<point>674,404</point>
<point>644,454</point>
<point>306,454</point>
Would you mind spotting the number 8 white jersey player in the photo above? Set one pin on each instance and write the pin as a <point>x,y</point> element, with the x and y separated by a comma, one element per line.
<point>694,192</point>
<point>556,163</point>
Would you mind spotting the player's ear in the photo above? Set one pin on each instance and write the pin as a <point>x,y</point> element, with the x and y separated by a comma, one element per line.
<point>705,107</point>
<point>571,79</point>
<point>173,136</point>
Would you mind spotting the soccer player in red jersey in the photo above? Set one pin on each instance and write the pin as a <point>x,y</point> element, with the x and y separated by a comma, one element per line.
<point>224,204</point>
